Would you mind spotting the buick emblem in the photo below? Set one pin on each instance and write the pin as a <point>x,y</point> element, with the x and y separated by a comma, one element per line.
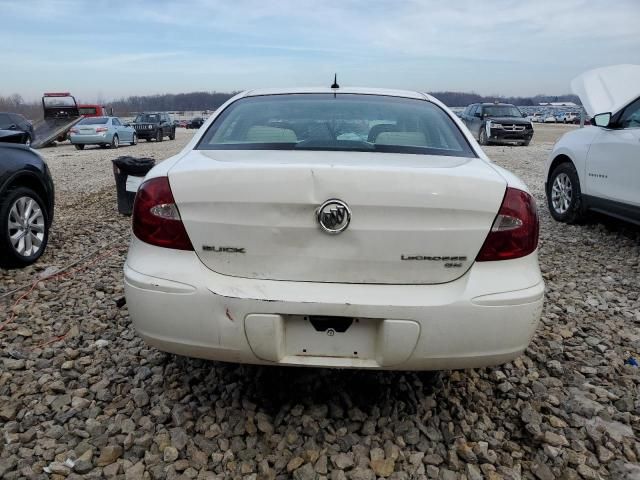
<point>333,216</point>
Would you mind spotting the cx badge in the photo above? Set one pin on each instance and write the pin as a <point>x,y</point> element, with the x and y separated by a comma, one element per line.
<point>333,216</point>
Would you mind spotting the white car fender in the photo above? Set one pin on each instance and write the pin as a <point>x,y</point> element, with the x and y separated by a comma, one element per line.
<point>574,145</point>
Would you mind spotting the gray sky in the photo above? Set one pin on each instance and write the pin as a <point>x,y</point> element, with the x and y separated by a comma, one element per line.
<point>106,49</point>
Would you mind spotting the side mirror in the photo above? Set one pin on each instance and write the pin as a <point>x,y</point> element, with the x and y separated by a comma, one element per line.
<point>127,124</point>
<point>524,115</point>
<point>477,114</point>
<point>602,119</point>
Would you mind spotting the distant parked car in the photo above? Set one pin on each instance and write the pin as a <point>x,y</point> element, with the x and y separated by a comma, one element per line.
<point>103,131</point>
<point>154,126</point>
<point>598,168</point>
<point>195,123</point>
<point>497,123</point>
<point>15,121</point>
<point>550,119</point>
<point>571,117</point>
<point>537,117</point>
<point>26,203</point>
<point>183,124</point>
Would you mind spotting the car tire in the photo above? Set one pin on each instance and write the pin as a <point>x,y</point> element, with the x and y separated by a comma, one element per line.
<point>482,137</point>
<point>79,147</point>
<point>159,136</point>
<point>526,143</point>
<point>564,197</point>
<point>147,139</point>
<point>134,139</point>
<point>172,135</point>
<point>37,228</point>
<point>115,142</point>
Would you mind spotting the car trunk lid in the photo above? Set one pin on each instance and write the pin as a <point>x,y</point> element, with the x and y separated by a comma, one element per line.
<point>416,219</point>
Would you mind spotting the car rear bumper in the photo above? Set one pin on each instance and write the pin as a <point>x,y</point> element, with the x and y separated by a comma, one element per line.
<point>90,139</point>
<point>486,317</point>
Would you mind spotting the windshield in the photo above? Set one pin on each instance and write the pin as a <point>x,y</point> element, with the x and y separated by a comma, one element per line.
<point>147,118</point>
<point>94,121</point>
<point>59,102</point>
<point>345,122</point>
<point>501,111</point>
<point>88,110</point>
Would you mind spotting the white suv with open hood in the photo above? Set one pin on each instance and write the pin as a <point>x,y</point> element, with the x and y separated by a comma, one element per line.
<point>599,168</point>
<point>354,228</point>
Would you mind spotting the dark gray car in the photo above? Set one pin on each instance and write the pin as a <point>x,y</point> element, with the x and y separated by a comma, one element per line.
<point>26,203</point>
<point>497,123</point>
<point>15,121</point>
<point>154,126</point>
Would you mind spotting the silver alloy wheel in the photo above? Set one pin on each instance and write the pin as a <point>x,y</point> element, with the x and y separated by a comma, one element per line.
<point>116,142</point>
<point>26,226</point>
<point>561,193</point>
<point>135,139</point>
<point>28,141</point>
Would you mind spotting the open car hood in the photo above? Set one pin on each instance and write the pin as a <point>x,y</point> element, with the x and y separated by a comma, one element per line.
<point>607,89</point>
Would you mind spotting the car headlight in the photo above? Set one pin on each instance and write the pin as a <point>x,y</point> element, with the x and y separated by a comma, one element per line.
<point>495,125</point>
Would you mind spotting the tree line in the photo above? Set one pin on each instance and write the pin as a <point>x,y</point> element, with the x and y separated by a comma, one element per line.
<point>196,101</point>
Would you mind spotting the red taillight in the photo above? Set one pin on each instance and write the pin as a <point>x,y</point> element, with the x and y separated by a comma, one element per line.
<point>156,219</point>
<point>101,129</point>
<point>514,232</point>
<point>74,130</point>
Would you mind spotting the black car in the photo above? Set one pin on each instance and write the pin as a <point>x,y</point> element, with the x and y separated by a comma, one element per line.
<point>497,123</point>
<point>26,203</point>
<point>15,121</point>
<point>154,126</point>
<point>195,123</point>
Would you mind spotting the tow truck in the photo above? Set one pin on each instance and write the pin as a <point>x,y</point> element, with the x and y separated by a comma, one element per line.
<point>60,114</point>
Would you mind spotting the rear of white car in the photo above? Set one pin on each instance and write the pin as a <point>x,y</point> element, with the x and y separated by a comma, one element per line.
<point>355,228</point>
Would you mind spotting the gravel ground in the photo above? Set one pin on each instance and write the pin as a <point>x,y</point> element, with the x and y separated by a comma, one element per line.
<point>82,396</point>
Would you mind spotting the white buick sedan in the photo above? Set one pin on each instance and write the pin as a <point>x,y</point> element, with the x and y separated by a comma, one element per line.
<point>350,228</point>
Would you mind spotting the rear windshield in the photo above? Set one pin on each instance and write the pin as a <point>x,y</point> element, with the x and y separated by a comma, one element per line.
<point>344,122</point>
<point>94,121</point>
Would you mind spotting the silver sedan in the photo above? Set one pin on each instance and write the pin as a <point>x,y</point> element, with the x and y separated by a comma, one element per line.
<point>103,131</point>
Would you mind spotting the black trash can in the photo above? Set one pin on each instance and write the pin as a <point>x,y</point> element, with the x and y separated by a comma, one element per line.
<point>129,172</point>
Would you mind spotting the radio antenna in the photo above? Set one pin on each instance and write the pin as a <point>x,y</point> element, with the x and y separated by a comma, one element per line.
<point>335,81</point>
